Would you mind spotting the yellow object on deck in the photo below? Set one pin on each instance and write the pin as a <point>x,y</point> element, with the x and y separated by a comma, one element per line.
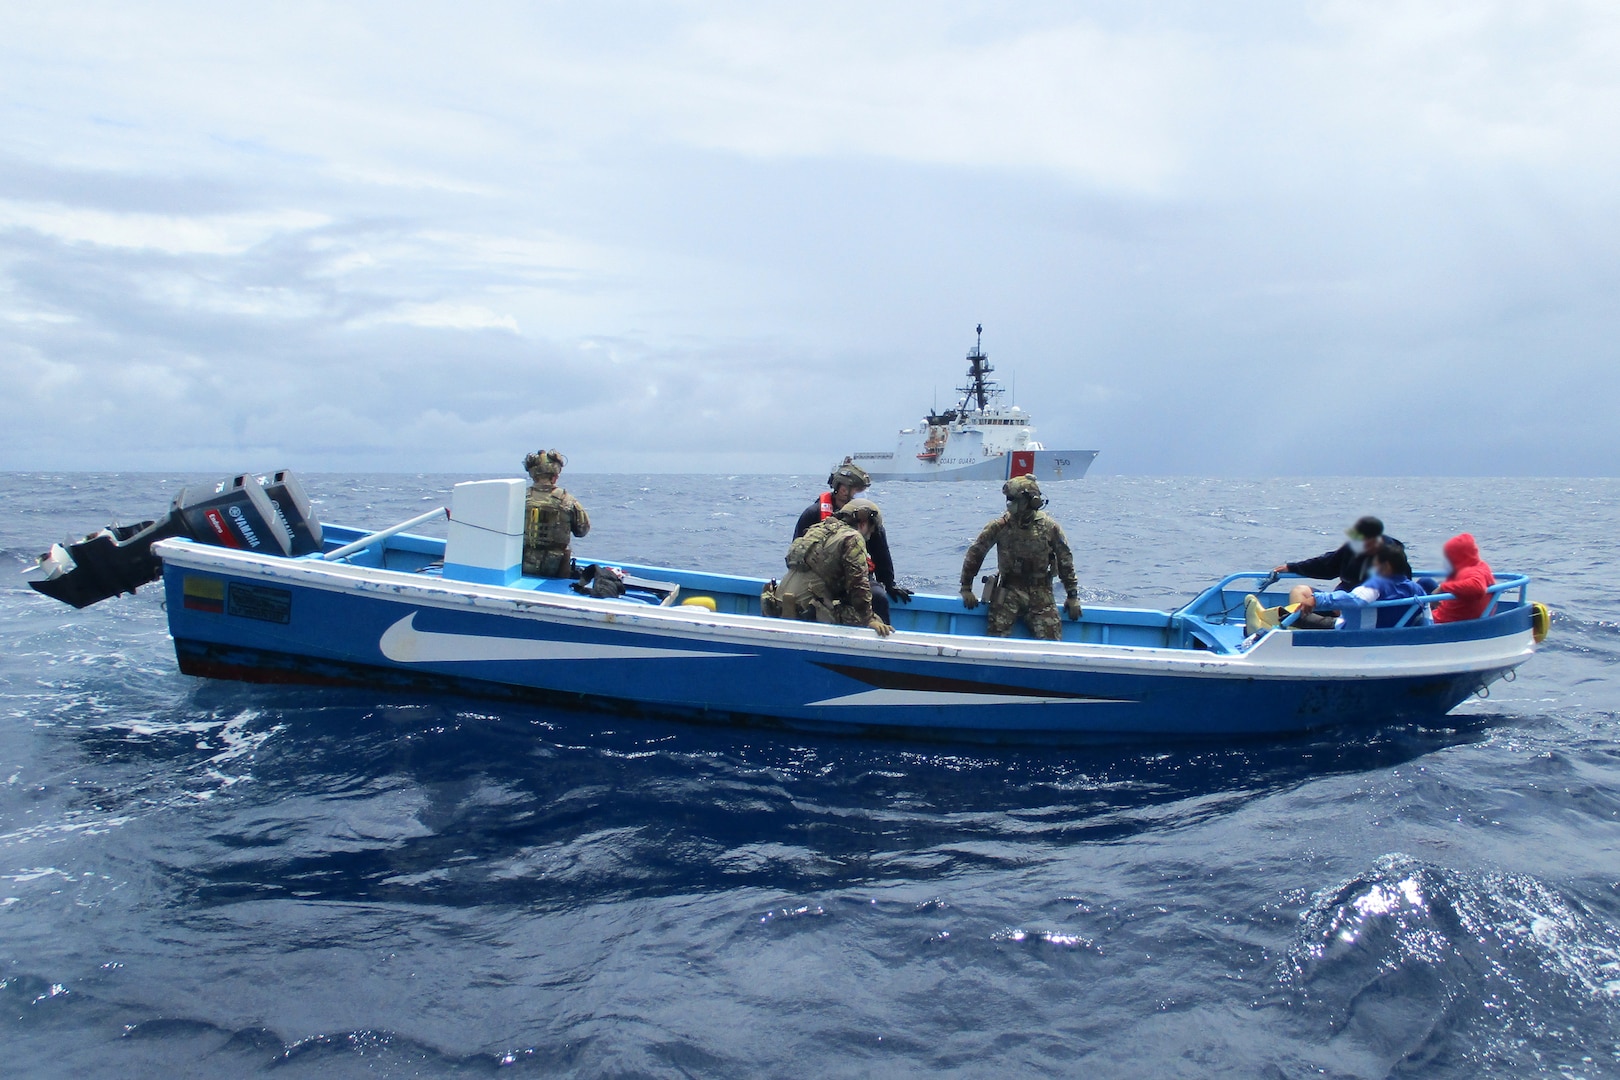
<point>699,601</point>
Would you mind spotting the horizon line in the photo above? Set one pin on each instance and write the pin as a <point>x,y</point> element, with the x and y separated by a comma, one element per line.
<point>734,473</point>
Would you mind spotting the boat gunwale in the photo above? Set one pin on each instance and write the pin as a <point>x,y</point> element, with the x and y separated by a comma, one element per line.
<point>1265,661</point>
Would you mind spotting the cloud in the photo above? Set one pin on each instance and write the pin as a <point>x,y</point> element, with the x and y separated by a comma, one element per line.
<point>450,316</point>
<point>1333,238</point>
<point>215,234</point>
<point>1096,106</point>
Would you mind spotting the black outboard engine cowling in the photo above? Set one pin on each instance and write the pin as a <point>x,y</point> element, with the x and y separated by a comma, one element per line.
<point>270,515</point>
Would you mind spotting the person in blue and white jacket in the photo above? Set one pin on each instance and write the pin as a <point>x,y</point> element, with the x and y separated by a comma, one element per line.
<point>1391,580</point>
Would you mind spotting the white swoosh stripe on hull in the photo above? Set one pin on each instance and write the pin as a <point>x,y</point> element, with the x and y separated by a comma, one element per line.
<point>404,644</point>
<point>949,697</point>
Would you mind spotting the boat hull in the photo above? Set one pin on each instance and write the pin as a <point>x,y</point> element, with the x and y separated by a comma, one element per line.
<point>255,618</point>
<point>1346,704</point>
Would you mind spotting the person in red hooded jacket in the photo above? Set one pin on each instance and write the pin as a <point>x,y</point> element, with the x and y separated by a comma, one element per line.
<point>1468,581</point>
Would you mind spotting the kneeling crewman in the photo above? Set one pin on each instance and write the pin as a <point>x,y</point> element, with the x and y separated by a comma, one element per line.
<point>550,517</point>
<point>1030,549</point>
<point>828,579</point>
<point>846,482</point>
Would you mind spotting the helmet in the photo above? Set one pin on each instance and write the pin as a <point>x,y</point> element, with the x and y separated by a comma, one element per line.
<point>1024,488</point>
<point>858,510</point>
<point>544,463</point>
<point>850,475</point>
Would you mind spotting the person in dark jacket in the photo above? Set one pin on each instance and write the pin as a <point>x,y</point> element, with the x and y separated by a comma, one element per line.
<point>846,482</point>
<point>1350,562</point>
<point>1469,580</point>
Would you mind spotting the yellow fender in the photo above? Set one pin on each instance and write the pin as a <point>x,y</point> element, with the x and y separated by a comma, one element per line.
<point>707,603</point>
<point>1540,621</point>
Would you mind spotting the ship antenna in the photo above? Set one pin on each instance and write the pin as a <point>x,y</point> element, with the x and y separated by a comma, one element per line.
<point>979,387</point>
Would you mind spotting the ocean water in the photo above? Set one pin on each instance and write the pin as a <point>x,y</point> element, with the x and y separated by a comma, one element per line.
<point>214,880</point>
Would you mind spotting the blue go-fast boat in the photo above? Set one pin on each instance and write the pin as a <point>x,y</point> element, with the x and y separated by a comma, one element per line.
<point>335,606</point>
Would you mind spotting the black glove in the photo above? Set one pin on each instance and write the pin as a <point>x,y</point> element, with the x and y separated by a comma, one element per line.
<point>900,593</point>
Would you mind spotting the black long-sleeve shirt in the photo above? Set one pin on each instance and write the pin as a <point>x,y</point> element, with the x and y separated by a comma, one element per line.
<point>877,547</point>
<point>1348,563</point>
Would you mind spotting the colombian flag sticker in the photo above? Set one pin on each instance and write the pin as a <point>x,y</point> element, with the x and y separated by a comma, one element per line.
<point>204,594</point>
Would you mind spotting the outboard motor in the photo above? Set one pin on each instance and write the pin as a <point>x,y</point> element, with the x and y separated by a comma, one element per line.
<point>268,514</point>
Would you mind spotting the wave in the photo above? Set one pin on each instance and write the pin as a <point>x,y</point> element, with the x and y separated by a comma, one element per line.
<point>1412,966</point>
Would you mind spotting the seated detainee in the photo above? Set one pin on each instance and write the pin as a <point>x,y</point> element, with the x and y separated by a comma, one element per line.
<point>1350,562</point>
<point>1468,579</point>
<point>1391,579</point>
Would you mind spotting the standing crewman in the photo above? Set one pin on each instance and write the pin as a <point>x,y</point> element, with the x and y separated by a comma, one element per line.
<point>550,517</point>
<point>828,579</point>
<point>1030,549</point>
<point>846,482</point>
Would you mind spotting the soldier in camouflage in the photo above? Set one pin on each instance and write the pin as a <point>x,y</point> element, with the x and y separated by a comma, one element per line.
<point>846,482</point>
<point>828,579</point>
<point>550,517</point>
<point>1030,549</point>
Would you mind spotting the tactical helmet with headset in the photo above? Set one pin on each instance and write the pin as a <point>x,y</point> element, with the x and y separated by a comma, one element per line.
<point>850,475</point>
<point>544,463</point>
<point>858,510</point>
<point>1024,488</point>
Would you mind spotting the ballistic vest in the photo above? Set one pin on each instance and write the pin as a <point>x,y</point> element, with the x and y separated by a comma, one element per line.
<point>548,520</point>
<point>826,506</point>
<point>817,558</point>
<point>1024,554</point>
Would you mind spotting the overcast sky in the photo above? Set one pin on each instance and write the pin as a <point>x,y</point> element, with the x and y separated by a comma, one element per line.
<point>1226,239</point>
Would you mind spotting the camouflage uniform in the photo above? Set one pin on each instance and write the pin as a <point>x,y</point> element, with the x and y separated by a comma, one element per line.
<point>827,572</point>
<point>550,517</point>
<point>1030,548</point>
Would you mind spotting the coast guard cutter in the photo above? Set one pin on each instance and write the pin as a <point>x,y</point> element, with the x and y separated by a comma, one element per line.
<point>982,438</point>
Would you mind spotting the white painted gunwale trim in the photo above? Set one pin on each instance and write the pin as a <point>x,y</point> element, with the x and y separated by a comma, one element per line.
<point>1273,658</point>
